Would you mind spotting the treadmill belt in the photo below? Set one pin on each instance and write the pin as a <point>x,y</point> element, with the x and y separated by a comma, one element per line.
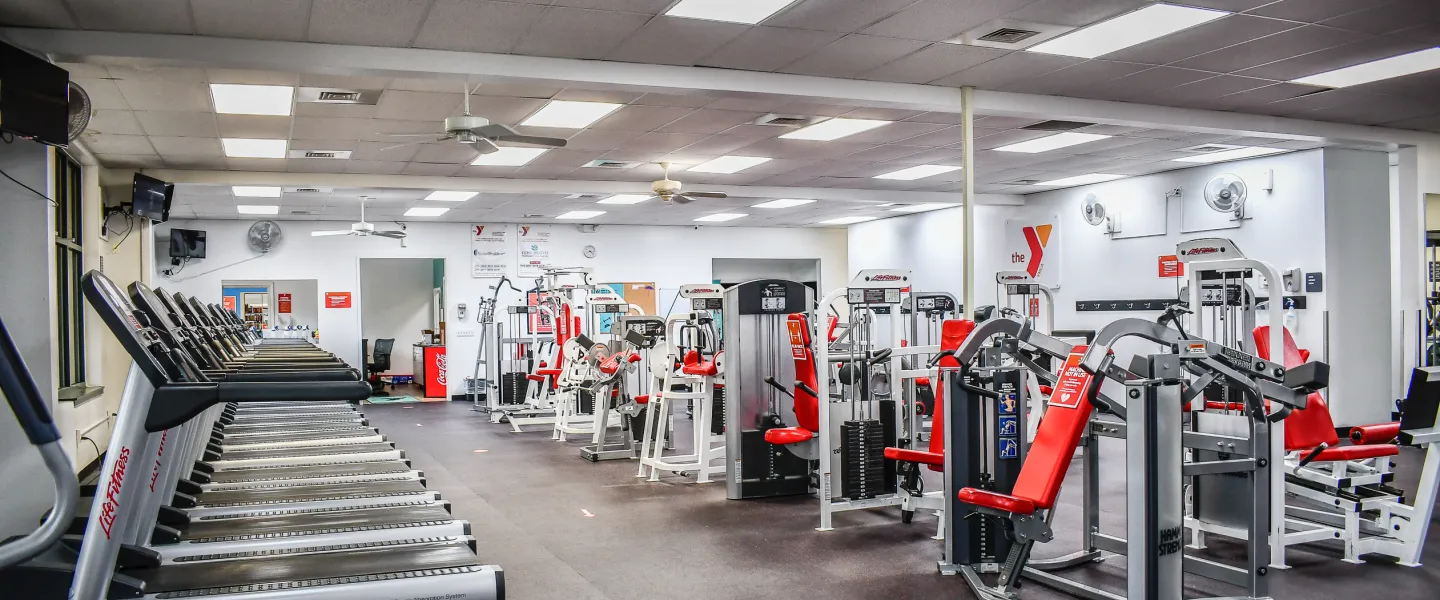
<point>349,469</point>
<point>376,559</point>
<point>322,491</point>
<point>298,436</point>
<point>325,450</point>
<point>311,520</point>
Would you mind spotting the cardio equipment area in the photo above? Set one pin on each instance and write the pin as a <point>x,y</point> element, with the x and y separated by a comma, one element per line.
<point>719,300</point>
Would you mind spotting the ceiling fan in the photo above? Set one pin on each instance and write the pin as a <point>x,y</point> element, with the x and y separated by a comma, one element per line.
<point>669,190</point>
<point>479,133</point>
<point>362,229</point>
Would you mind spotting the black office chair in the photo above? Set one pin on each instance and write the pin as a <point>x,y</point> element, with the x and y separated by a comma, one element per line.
<point>379,362</point>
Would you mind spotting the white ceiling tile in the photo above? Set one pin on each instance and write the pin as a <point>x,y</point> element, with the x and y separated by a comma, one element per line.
<point>429,106</point>
<point>131,161</point>
<point>1010,68</point>
<point>315,165</point>
<point>940,137</point>
<point>1330,59</point>
<point>431,169</point>
<point>709,121</point>
<point>257,19</point>
<point>249,77</point>
<point>470,171</point>
<point>676,100</point>
<point>641,118</point>
<point>935,62</point>
<point>571,159</point>
<point>269,165</point>
<point>337,111</point>
<point>1388,17</point>
<point>884,153</point>
<point>185,146</point>
<point>445,152</point>
<point>1263,95</point>
<point>719,145</point>
<point>584,95</point>
<point>660,142</point>
<point>354,82</point>
<point>37,13</point>
<point>181,124</point>
<point>1220,33</point>
<point>837,15</point>
<point>431,85</point>
<point>150,16</point>
<point>1006,138</point>
<point>531,171</point>
<point>384,130</point>
<point>699,38</point>
<point>894,132</point>
<point>781,148</point>
<point>600,140</point>
<point>373,167</point>
<point>158,94</point>
<point>103,93</point>
<point>504,110</point>
<point>321,128</point>
<point>946,156</point>
<point>120,122</point>
<point>1076,77</point>
<point>148,72</point>
<point>883,114</point>
<point>119,144</point>
<point>768,48</point>
<point>852,55</point>
<point>366,22</point>
<point>477,26</point>
<point>1308,11</point>
<point>1074,14</point>
<point>1268,49</point>
<point>936,20</point>
<point>253,126</point>
<point>1132,86</point>
<point>1229,5</point>
<point>579,33</point>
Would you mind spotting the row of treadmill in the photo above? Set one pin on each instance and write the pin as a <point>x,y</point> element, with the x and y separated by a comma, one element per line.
<point>237,468</point>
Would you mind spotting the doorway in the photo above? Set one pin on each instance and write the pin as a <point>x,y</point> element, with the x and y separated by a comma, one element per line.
<point>402,327</point>
<point>277,308</point>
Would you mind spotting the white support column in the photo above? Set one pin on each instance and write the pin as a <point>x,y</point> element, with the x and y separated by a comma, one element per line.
<point>967,125</point>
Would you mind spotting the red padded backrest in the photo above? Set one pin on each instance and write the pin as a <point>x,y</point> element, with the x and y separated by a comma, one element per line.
<point>952,334</point>
<point>831,323</point>
<point>1066,418</point>
<point>1304,429</point>
<point>807,407</point>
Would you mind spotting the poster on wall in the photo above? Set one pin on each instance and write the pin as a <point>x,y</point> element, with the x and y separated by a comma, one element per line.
<point>229,302</point>
<point>1033,245</point>
<point>540,322</point>
<point>283,303</point>
<point>489,250</point>
<point>337,299</point>
<point>536,244</point>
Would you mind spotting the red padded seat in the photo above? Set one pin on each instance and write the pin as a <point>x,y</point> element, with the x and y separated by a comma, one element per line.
<point>916,456</point>
<point>781,436</point>
<point>1358,452</point>
<point>550,372</point>
<point>1007,503</point>
<point>645,398</point>
<point>694,365</point>
<point>534,377</point>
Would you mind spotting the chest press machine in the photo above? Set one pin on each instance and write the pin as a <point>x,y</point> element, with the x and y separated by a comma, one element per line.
<point>555,302</point>
<point>625,387</point>
<point>690,371</point>
<point>577,412</point>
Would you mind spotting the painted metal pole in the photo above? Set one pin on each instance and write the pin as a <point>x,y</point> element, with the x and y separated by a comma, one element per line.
<point>967,125</point>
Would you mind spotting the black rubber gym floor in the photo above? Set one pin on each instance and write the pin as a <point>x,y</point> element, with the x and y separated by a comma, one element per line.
<point>564,528</point>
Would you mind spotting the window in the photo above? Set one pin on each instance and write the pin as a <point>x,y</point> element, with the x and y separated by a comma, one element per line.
<point>69,268</point>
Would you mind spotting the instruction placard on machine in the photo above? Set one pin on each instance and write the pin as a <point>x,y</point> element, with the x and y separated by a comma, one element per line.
<point>1009,448</point>
<point>772,298</point>
<point>873,296</point>
<point>708,304</point>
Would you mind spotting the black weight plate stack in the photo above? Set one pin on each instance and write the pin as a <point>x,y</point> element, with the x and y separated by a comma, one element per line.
<point>513,387</point>
<point>863,454</point>
<point>717,411</point>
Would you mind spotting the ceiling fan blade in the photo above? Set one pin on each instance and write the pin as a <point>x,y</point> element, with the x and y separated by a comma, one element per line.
<point>681,199</point>
<point>401,145</point>
<point>329,233</point>
<point>533,140</point>
<point>399,235</point>
<point>485,146</point>
<point>409,134</point>
<point>494,130</point>
<point>707,194</point>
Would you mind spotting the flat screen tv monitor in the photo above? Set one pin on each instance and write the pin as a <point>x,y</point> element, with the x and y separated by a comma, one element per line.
<point>35,104</point>
<point>151,198</point>
<point>187,243</point>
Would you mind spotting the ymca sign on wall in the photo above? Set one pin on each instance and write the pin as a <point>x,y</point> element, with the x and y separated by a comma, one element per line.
<point>489,250</point>
<point>1032,245</point>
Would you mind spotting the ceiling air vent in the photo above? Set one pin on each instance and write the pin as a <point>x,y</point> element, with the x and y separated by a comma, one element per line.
<point>1022,182</point>
<point>774,120</point>
<point>1008,35</point>
<point>605,163</point>
<point>585,196</point>
<point>308,190</point>
<point>533,216</point>
<point>304,212</point>
<point>1056,126</point>
<point>336,96</point>
<point>1208,148</point>
<point>329,154</point>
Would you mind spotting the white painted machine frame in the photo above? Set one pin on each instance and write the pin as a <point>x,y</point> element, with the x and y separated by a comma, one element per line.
<point>659,416</point>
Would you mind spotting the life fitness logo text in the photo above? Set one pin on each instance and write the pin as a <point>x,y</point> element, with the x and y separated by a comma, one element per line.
<point>1201,250</point>
<point>1037,238</point>
<point>704,291</point>
<point>155,474</point>
<point>111,507</point>
<point>885,278</point>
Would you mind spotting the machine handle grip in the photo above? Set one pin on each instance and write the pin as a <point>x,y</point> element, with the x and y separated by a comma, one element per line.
<point>935,361</point>
<point>23,395</point>
<point>775,384</point>
<point>1312,455</point>
<point>802,386</point>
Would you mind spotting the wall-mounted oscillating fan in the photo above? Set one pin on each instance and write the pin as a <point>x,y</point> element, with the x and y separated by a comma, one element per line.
<point>1226,193</point>
<point>1093,210</point>
<point>263,236</point>
<point>79,109</point>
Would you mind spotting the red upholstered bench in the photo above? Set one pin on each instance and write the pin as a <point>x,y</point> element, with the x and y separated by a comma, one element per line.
<point>783,436</point>
<point>807,406</point>
<point>694,365</point>
<point>953,334</point>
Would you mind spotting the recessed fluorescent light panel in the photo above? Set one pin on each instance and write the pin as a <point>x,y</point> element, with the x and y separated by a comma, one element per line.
<point>1385,68</point>
<point>439,196</point>
<point>1235,154</point>
<point>1052,142</point>
<point>233,99</point>
<point>1083,179</point>
<point>928,206</point>
<point>720,217</point>
<point>581,214</point>
<point>833,129</point>
<point>508,157</point>
<point>570,115</point>
<point>253,148</point>
<point>254,209</point>
<point>919,172</point>
<point>1137,27</point>
<point>626,199</point>
<point>847,220</point>
<point>426,211</point>
<point>784,203</point>
<point>748,12</point>
<point>728,164</point>
<point>250,191</point>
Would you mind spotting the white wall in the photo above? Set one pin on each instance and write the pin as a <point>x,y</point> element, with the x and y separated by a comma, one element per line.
<point>396,302</point>
<point>304,302</point>
<point>1363,323</point>
<point>668,256</point>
